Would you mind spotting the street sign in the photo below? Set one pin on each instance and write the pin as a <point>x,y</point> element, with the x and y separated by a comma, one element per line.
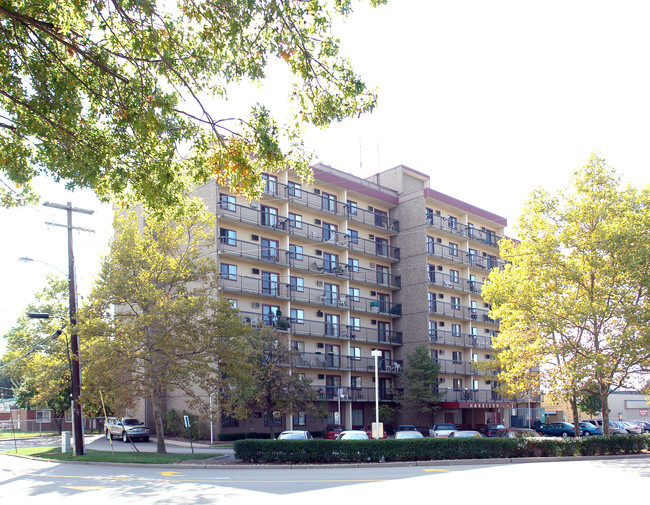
<point>187,421</point>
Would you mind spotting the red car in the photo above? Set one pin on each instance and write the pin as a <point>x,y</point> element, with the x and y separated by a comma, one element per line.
<point>333,430</point>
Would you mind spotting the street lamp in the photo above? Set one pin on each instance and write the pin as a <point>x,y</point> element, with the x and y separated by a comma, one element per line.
<point>26,259</point>
<point>376,353</point>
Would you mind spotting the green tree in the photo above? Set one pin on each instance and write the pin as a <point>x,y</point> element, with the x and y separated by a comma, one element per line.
<point>267,383</point>
<point>105,94</point>
<point>590,404</point>
<point>573,297</point>
<point>156,317</point>
<point>420,382</point>
<point>37,357</point>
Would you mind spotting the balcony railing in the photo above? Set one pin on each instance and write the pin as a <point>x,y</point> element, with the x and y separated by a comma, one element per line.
<point>361,394</point>
<point>333,361</point>
<point>273,287</point>
<point>309,231</point>
<point>323,204</point>
<point>454,282</point>
<point>445,337</point>
<point>275,255</point>
<point>463,257</point>
<point>452,226</point>
<point>460,311</point>
<point>320,328</point>
<point>469,395</point>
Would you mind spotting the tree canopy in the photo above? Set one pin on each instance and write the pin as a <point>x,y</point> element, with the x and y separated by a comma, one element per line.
<point>573,296</point>
<point>155,314</point>
<point>115,96</point>
<point>420,382</point>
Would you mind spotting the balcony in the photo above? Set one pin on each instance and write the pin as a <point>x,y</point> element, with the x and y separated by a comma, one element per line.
<point>445,337</point>
<point>452,282</point>
<point>458,367</point>
<point>272,287</point>
<point>257,252</point>
<point>320,328</point>
<point>470,395</point>
<point>342,210</point>
<point>485,237</point>
<point>467,258</point>
<point>333,361</point>
<point>460,311</point>
<point>327,236</point>
<point>354,394</point>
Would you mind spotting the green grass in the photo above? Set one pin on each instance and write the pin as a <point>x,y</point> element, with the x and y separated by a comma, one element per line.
<point>23,434</point>
<point>54,453</point>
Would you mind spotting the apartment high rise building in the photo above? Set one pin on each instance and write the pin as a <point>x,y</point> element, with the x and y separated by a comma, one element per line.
<point>347,265</point>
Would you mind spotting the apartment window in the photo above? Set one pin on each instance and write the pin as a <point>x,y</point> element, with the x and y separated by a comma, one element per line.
<point>431,273</point>
<point>455,303</point>
<point>355,353</point>
<point>270,314</point>
<point>233,303</point>
<point>227,202</point>
<point>298,345</point>
<point>384,302</point>
<point>228,237</point>
<point>383,275</point>
<point>295,189</point>
<point>429,216</point>
<point>353,236</point>
<point>475,357</point>
<point>381,218</point>
<point>228,272</point>
<point>452,222</point>
<point>455,330</point>
<point>454,276</point>
<point>351,207</point>
<point>295,252</point>
<point>297,316</point>
<point>383,331</point>
<point>270,184</point>
<point>328,202</point>
<point>355,323</point>
<point>472,310</point>
<point>355,294</point>
<point>295,220</point>
<point>331,294</point>
<point>355,382</point>
<point>453,249</point>
<point>329,232</point>
<point>470,230</point>
<point>432,301</point>
<point>490,237</point>
<point>268,216</point>
<point>300,419</point>
<point>269,249</point>
<point>270,282</point>
<point>381,247</point>
<point>353,265</point>
<point>297,284</point>
<point>332,325</point>
<point>457,384</point>
<point>457,356</point>
<point>431,245</point>
<point>330,262</point>
<point>433,331</point>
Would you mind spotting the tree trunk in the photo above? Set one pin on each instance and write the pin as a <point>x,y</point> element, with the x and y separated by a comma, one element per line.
<point>576,418</point>
<point>604,397</point>
<point>269,416</point>
<point>157,419</point>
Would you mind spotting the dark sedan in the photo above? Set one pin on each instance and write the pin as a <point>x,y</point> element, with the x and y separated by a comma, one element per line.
<point>557,430</point>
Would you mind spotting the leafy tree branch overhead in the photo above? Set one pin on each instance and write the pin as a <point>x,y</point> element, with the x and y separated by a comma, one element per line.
<point>113,95</point>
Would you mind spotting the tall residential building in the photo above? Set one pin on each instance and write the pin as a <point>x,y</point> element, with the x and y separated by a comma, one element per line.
<point>347,265</point>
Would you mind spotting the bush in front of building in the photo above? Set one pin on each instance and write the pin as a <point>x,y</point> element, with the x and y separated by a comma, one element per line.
<point>253,435</point>
<point>431,449</point>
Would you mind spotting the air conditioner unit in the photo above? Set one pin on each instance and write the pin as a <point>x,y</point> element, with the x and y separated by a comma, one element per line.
<point>320,345</point>
<point>442,379</point>
<point>321,376</point>
<point>371,236</point>
<point>319,283</point>
<point>488,382</point>
<point>441,352</point>
<point>372,265</point>
<point>317,191</point>
<point>255,204</point>
<point>255,305</point>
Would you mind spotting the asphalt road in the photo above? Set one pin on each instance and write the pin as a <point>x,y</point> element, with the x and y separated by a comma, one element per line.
<point>593,481</point>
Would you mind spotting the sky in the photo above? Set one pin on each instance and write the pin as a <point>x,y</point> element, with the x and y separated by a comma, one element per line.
<point>492,99</point>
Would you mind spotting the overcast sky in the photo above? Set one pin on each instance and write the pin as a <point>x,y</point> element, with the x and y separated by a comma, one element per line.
<point>490,98</point>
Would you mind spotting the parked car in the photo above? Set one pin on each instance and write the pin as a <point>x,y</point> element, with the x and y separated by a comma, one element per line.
<point>442,430</point>
<point>408,434</point>
<point>368,430</point>
<point>406,427</point>
<point>126,428</point>
<point>587,429</point>
<point>631,427</point>
<point>559,429</point>
<point>465,434</point>
<point>333,430</point>
<point>491,429</point>
<point>643,424</point>
<point>353,435</point>
<point>517,433</point>
<point>295,435</point>
<point>614,429</point>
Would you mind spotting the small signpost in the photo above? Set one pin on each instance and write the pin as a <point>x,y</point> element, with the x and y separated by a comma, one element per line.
<point>189,433</point>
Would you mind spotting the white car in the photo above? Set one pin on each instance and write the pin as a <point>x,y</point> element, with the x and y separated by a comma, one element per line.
<point>353,435</point>
<point>295,435</point>
<point>442,430</point>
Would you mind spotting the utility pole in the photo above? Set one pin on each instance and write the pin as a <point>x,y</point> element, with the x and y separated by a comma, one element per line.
<point>77,424</point>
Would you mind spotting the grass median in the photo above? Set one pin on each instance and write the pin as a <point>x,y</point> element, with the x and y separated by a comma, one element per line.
<point>54,453</point>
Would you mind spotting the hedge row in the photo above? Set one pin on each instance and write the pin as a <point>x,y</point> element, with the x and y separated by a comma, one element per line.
<point>427,449</point>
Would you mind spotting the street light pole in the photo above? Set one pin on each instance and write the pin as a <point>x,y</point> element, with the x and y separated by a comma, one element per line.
<point>376,353</point>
